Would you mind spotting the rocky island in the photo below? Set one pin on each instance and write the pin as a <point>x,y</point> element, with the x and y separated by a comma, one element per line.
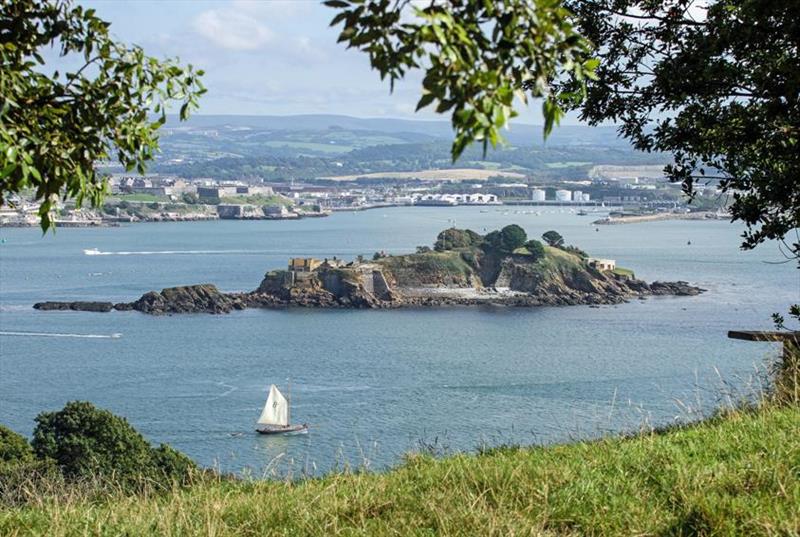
<point>463,268</point>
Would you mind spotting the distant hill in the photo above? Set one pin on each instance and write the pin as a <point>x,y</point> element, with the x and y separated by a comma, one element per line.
<point>519,133</point>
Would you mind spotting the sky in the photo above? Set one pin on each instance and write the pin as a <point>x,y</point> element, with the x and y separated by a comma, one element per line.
<point>266,57</point>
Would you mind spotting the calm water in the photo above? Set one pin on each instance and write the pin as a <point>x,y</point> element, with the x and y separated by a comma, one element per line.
<point>375,384</point>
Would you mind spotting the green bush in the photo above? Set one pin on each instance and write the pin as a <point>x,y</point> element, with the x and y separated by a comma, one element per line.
<point>507,239</point>
<point>14,448</point>
<point>171,464</point>
<point>535,248</point>
<point>553,238</point>
<point>453,238</point>
<point>85,441</point>
<point>575,250</point>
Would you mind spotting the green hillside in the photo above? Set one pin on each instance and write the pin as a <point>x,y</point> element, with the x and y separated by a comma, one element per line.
<point>731,475</point>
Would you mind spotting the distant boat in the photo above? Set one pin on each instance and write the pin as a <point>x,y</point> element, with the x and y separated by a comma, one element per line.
<point>91,251</point>
<point>274,418</point>
<point>582,213</point>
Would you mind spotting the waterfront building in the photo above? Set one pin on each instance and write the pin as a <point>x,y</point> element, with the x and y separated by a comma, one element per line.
<point>602,264</point>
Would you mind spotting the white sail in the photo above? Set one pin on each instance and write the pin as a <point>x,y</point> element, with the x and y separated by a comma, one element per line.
<point>276,410</point>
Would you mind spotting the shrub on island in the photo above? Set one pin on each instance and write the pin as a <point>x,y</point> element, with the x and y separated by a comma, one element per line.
<point>453,238</point>
<point>535,249</point>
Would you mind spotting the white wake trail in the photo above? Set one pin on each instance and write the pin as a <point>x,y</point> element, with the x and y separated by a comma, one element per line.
<point>54,334</point>
<point>95,251</point>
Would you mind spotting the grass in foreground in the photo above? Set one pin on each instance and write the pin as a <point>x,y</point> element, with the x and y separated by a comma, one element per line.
<point>734,475</point>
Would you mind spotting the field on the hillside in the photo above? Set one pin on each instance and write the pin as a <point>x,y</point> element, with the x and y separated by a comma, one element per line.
<point>454,174</point>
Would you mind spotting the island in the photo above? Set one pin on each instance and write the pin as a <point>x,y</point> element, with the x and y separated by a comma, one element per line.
<point>462,268</point>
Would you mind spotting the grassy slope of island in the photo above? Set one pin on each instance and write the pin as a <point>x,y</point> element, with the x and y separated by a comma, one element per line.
<point>736,474</point>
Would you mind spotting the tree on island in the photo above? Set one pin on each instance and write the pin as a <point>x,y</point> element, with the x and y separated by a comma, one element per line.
<point>507,239</point>
<point>553,238</point>
<point>535,248</point>
<point>453,238</point>
<point>54,127</point>
<point>715,84</point>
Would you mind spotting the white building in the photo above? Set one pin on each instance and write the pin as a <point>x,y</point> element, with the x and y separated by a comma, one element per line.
<point>577,195</point>
<point>602,264</point>
<point>457,199</point>
<point>537,194</point>
<point>563,195</point>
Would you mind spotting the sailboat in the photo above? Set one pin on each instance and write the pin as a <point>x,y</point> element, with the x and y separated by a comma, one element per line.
<point>274,418</point>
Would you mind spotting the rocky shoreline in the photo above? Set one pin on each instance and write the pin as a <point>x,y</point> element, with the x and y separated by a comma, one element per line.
<point>206,298</point>
<point>463,269</point>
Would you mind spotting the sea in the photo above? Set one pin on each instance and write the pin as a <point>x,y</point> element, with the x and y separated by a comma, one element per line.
<point>374,386</point>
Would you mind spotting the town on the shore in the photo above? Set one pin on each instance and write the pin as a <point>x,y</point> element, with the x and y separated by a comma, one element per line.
<point>166,198</point>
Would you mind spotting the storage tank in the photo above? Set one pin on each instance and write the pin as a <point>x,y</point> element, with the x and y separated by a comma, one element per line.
<point>538,194</point>
<point>577,195</point>
<point>563,195</point>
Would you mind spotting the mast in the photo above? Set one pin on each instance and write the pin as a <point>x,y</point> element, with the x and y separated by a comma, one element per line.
<point>289,402</point>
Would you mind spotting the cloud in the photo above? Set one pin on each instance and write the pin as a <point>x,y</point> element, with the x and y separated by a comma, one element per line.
<point>273,9</point>
<point>232,30</point>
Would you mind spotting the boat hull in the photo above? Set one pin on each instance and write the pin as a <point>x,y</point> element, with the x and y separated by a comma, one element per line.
<point>289,429</point>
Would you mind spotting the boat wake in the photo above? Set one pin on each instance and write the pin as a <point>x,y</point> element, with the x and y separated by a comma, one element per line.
<point>95,251</point>
<point>340,252</point>
<point>55,334</point>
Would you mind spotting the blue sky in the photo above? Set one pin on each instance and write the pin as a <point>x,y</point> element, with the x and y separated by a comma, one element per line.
<point>265,56</point>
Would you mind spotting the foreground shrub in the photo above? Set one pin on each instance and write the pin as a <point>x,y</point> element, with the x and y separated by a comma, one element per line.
<point>88,442</point>
<point>14,447</point>
<point>172,465</point>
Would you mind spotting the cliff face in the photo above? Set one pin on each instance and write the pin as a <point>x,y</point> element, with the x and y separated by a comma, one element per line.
<point>461,273</point>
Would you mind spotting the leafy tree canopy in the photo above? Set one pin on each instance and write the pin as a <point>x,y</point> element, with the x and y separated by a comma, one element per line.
<point>478,56</point>
<point>717,85</point>
<point>86,441</point>
<point>512,237</point>
<point>553,238</point>
<point>507,239</point>
<point>55,126</point>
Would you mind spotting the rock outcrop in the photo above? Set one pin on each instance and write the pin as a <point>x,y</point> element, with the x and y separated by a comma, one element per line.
<point>99,307</point>
<point>204,298</point>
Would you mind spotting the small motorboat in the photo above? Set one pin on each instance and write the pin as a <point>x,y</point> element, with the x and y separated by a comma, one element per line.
<point>274,418</point>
